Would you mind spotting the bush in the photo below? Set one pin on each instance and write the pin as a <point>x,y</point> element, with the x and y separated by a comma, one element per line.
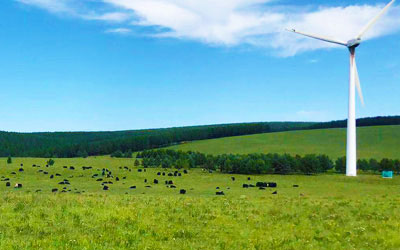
<point>50,162</point>
<point>340,165</point>
<point>9,160</point>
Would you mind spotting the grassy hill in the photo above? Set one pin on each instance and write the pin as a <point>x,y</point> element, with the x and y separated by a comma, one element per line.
<point>378,142</point>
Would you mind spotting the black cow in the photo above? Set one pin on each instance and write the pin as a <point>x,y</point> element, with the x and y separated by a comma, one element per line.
<point>295,186</point>
<point>248,178</point>
<point>179,174</point>
<point>233,178</point>
<point>99,179</point>
<point>170,174</point>
<point>51,176</point>
<point>182,191</point>
<point>172,186</point>
<point>139,170</point>
<point>220,193</point>
<point>272,184</point>
<point>245,186</point>
<point>72,168</point>
<point>117,179</point>
<point>132,187</point>
<point>58,174</point>
<point>163,173</point>
<point>54,190</point>
<point>145,180</point>
<point>8,184</point>
<point>105,188</point>
<point>158,173</point>
<point>21,170</point>
<point>185,171</point>
<point>155,181</point>
<point>170,182</point>
<point>276,192</point>
<point>18,185</point>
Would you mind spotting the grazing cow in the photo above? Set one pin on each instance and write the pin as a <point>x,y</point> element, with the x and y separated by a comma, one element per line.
<point>217,188</point>
<point>182,191</point>
<point>45,172</point>
<point>272,184</point>
<point>6,179</point>
<point>179,174</point>
<point>47,166</point>
<point>155,181</point>
<point>245,186</point>
<point>276,192</point>
<point>33,165</point>
<point>172,186</point>
<point>13,173</point>
<point>39,190</point>
<point>295,186</point>
<point>139,170</point>
<point>132,187</point>
<point>220,193</point>
<point>163,173</point>
<point>185,171</point>
<point>148,186</point>
<point>8,184</point>
<point>21,170</point>
<point>51,176</point>
<point>18,185</point>
<point>105,188</point>
<point>248,178</point>
<point>170,182</point>
<point>233,178</point>
<point>262,188</point>
<point>65,167</point>
<point>145,180</point>
<point>117,179</point>
<point>54,190</point>
<point>251,185</point>
<point>158,173</point>
<point>21,165</point>
<point>124,178</point>
<point>58,174</point>
<point>262,184</point>
<point>40,171</point>
<point>175,174</point>
<point>72,168</point>
<point>170,174</point>
<point>100,179</point>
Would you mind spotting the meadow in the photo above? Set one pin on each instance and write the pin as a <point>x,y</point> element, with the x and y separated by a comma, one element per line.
<point>324,212</point>
<point>372,142</point>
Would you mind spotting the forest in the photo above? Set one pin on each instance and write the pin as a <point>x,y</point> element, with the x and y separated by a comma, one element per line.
<point>83,144</point>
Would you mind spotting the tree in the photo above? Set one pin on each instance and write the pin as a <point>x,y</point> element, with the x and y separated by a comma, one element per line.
<point>363,165</point>
<point>374,165</point>
<point>82,153</point>
<point>117,154</point>
<point>128,154</point>
<point>50,162</point>
<point>386,165</point>
<point>137,163</point>
<point>340,164</point>
<point>9,160</point>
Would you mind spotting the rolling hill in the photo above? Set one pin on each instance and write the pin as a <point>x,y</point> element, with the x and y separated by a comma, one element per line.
<point>377,142</point>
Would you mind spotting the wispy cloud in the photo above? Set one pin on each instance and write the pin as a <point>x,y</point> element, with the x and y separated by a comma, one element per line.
<point>122,31</point>
<point>259,23</point>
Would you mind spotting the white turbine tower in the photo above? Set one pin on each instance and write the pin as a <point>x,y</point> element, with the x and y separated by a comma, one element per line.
<point>351,164</point>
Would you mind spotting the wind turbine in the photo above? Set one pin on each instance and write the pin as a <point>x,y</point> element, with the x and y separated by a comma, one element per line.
<point>351,152</point>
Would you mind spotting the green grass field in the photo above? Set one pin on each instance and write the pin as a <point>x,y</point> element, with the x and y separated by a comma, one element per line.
<point>324,212</point>
<point>373,142</point>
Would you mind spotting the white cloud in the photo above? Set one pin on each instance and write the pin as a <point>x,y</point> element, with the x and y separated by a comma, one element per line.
<point>236,22</point>
<point>119,31</point>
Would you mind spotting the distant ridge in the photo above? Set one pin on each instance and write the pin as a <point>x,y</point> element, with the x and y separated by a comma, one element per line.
<point>82,144</point>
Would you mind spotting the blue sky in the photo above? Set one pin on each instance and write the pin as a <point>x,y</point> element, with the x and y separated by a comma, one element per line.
<point>120,64</point>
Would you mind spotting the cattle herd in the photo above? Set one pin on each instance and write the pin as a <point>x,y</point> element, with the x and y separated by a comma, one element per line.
<point>106,178</point>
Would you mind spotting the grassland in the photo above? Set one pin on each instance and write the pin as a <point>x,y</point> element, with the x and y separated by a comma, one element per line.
<point>373,142</point>
<point>324,212</point>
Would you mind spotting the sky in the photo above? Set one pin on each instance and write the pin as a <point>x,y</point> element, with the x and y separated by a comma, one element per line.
<point>101,65</point>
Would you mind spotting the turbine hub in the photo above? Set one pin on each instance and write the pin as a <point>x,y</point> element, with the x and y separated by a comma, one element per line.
<point>353,43</point>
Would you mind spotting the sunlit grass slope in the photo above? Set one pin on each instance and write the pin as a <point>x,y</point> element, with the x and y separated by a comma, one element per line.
<point>377,142</point>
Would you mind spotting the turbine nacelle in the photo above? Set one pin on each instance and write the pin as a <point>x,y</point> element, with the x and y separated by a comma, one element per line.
<point>353,43</point>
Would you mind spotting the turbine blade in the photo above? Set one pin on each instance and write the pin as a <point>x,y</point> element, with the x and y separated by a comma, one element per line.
<point>325,39</point>
<point>359,90</point>
<point>373,21</point>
